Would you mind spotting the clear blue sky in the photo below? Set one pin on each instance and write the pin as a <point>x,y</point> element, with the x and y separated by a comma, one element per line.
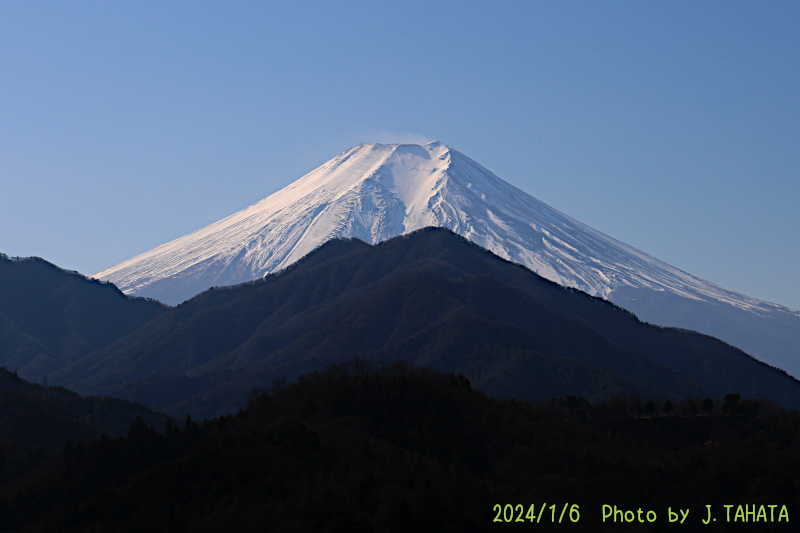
<point>672,126</point>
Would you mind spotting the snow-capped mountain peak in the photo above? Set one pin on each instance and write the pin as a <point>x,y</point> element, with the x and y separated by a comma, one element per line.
<point>377,191</point>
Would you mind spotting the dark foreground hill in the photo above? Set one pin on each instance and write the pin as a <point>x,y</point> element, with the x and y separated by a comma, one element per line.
<point>362,448</point>
<point>36,422</point>
<point>50,317</point>
<point>430,298</point>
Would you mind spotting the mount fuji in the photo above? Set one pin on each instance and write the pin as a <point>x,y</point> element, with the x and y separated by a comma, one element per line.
<point>374,192</point>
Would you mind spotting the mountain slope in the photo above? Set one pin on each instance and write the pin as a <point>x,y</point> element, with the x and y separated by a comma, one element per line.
<point>37,422</point>
<point>50,317</point>
<point>360,448</point>
<point>431,298</point>
<point>53,416</point>
<point>374,192</point>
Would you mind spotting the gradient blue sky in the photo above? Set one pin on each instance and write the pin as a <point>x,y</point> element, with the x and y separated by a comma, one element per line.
<point>672,126</point>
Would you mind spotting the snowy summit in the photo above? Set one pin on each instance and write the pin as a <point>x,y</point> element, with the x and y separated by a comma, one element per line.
<point>374,192</point>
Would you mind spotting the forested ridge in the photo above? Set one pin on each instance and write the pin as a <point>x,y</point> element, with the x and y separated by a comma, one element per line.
<point>362,447</point>
<point>430,298</point>
<point>51,317</point>
<point>36,422</point>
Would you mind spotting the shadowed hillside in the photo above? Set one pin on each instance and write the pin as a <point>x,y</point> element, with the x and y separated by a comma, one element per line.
<point>358,447</point>
<point>50,317</point>
<point>36,422</point>
<point>431,298</point>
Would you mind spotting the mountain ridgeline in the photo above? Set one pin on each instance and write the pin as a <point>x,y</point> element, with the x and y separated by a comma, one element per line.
<point>358,447</point>
<point>50,317</point>
<point>52,416</point>
<point>374,192</point>
<point>36,422</point>
<point>430,298</point>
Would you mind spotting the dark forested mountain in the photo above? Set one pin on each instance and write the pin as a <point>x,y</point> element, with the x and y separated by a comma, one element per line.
<point>51,416</point>
<point>36,422</point>
<point>50,317</point>
<point>360,448</point>
<point>374,192</point>
<point>430,298</point>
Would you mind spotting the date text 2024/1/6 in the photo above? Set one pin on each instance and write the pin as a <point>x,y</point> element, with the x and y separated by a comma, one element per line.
<point>517,513</point>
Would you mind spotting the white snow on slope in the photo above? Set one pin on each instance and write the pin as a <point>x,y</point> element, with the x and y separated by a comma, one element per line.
<point>374,192</point>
